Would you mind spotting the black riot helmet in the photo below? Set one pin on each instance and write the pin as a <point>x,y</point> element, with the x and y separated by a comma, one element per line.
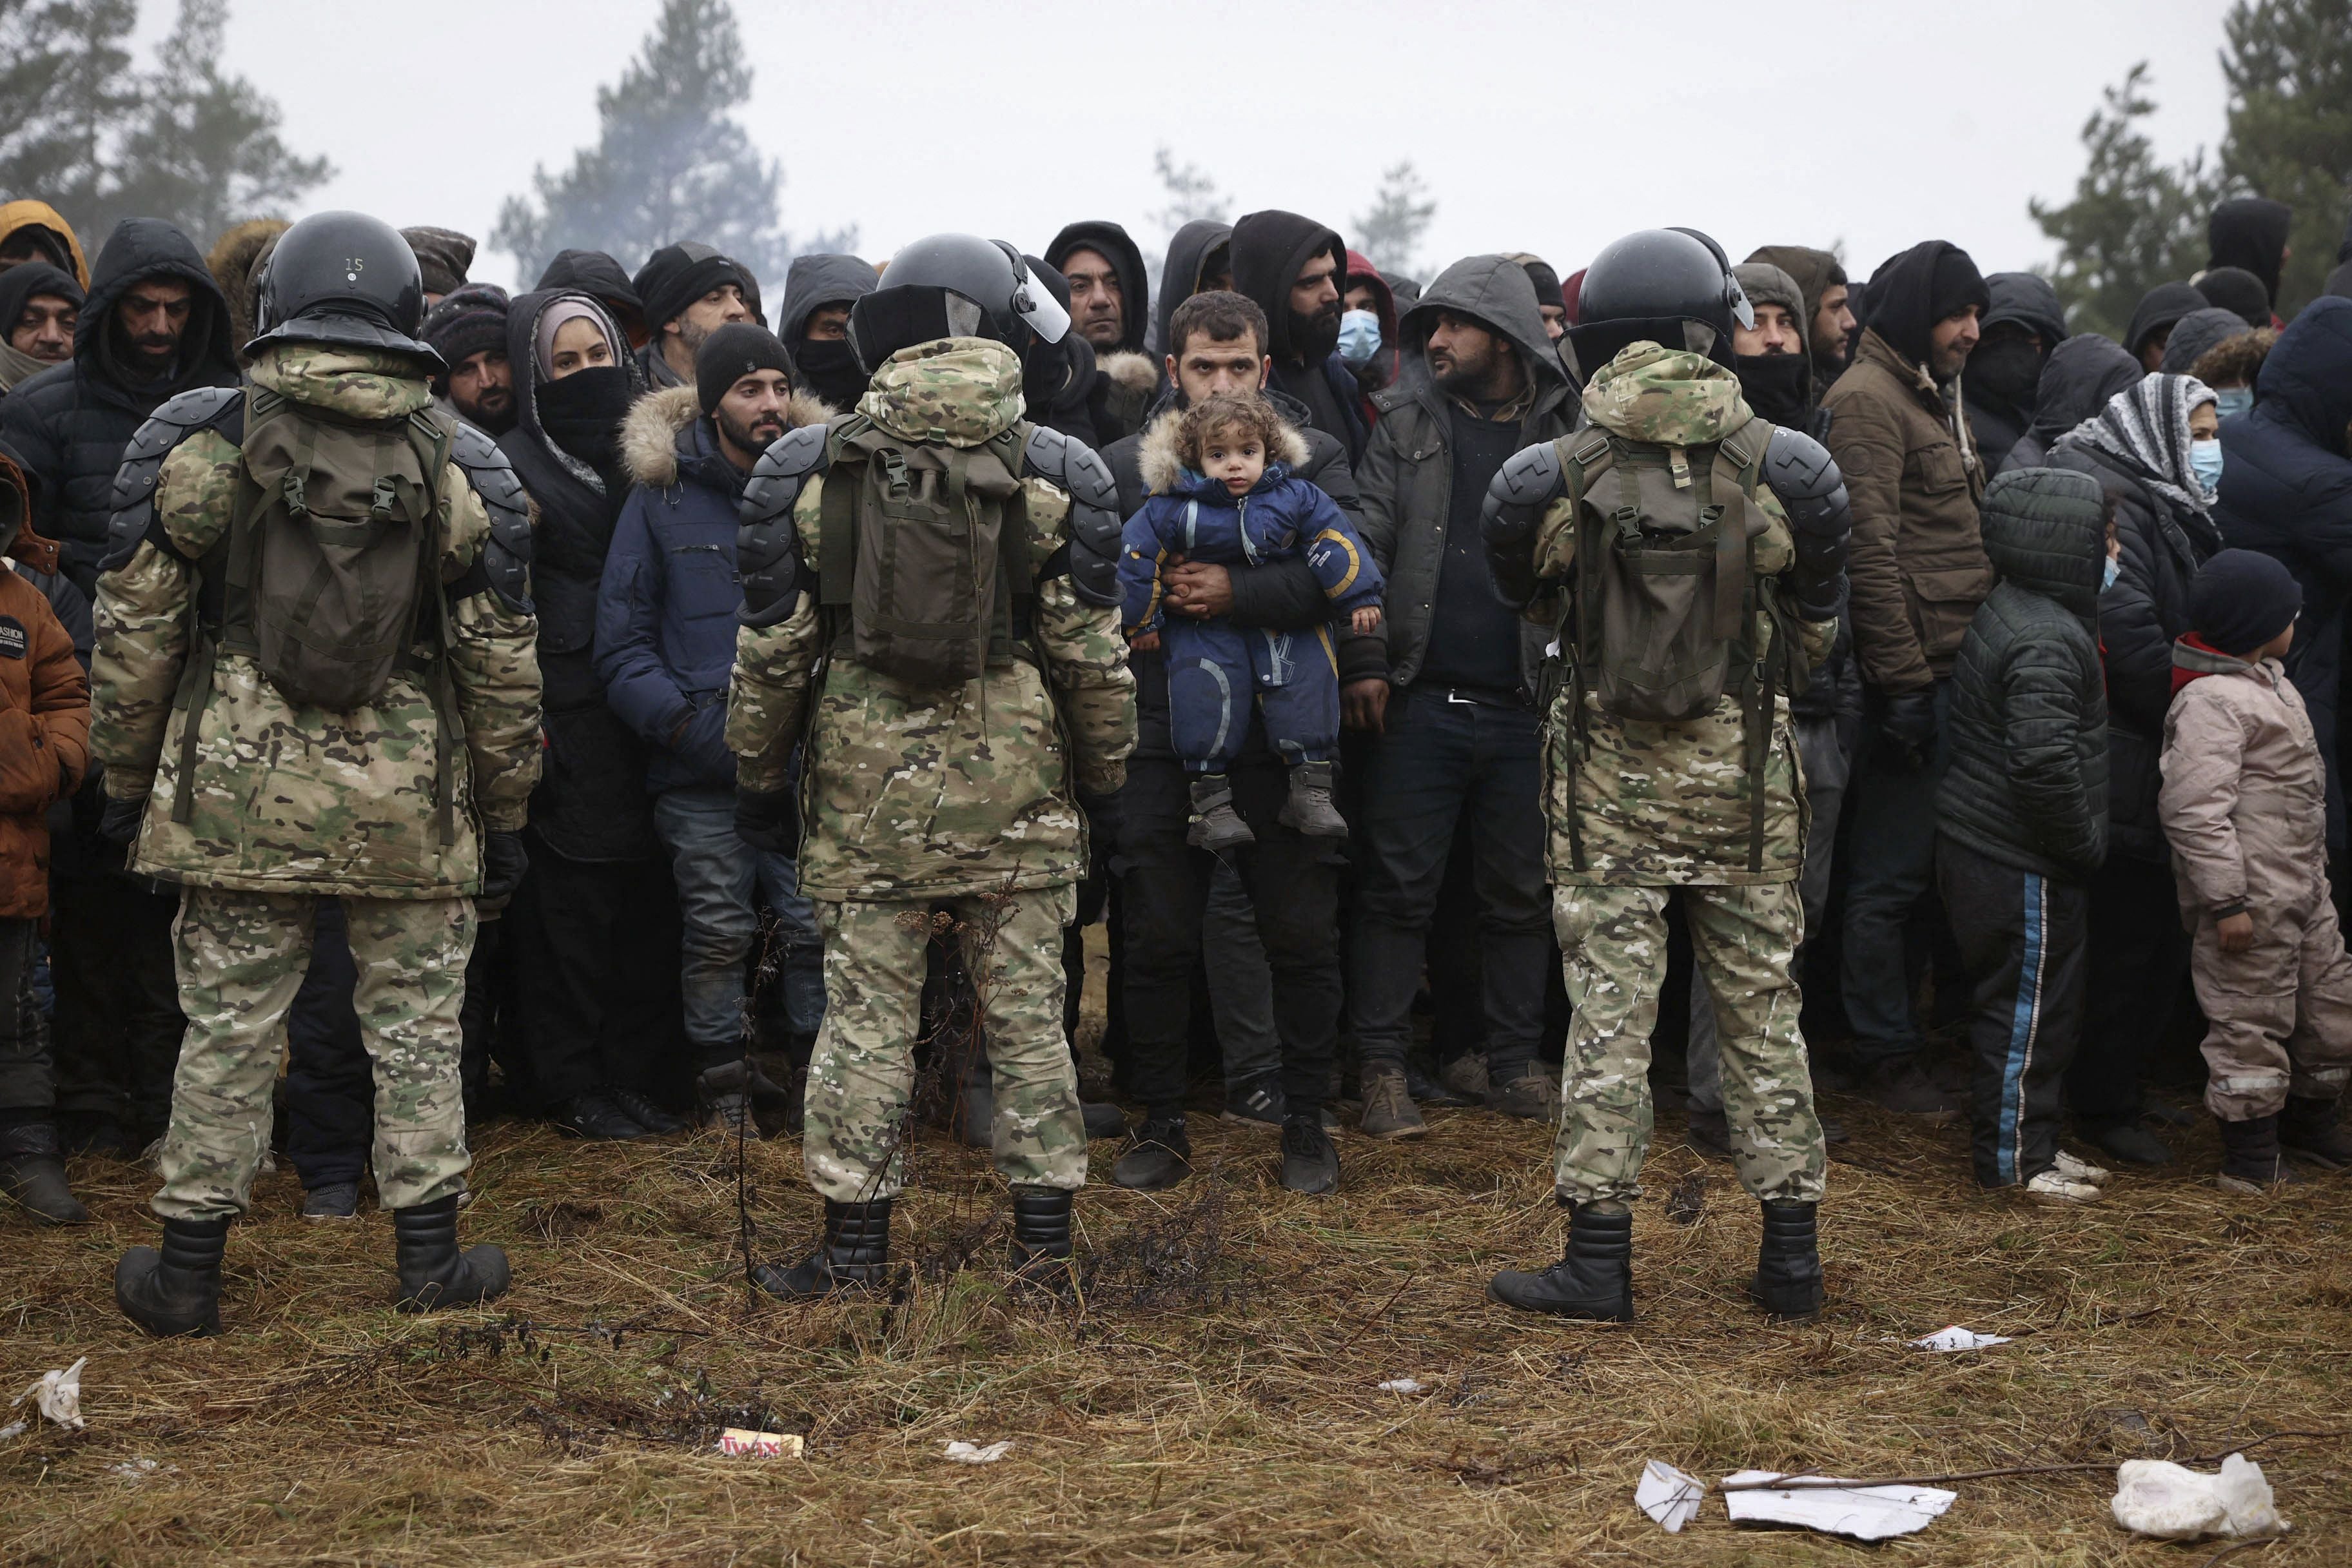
<point>1658,284</point>
<point>954,285</point>
<point>343,278</point>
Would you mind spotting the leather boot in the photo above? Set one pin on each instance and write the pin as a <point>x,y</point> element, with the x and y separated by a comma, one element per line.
<point>434,1272</point>
<point>175,1290</point>
<point>1788,1282</point>
<point>2310,1127</point>
<point>1594,1279</point>
<point>32,1171</point>
<point>1041,1235</point>
<point>855,1255</point>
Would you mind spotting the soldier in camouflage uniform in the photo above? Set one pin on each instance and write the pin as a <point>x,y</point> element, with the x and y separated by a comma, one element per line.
<point>1640,807</point>
<point>406,808</point>
<point>927,808</point>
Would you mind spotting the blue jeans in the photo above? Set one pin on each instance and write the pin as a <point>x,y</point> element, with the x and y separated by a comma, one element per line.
<point>719,883</point>
<point>1891,853</point>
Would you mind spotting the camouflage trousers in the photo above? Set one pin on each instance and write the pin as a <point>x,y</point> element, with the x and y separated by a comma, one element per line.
<point>862,1069</point>
<point>1612,941</point>
<point>241,957</point>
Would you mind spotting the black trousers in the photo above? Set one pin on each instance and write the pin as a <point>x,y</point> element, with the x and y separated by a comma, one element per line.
<point>27,1074</point>
<point>2021,936</point>
<point>1293,886</point>
<point>595,948</point>
<point>118,1022</point>
<point>2137,958</point>
<point>329,1081</point>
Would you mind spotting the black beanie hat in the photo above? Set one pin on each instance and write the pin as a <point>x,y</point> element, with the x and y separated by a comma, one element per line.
<point>675,276</point>
<point>2242,599</point>
<point>732,352</point>
<point>1546,282</point>
<point>2238,291</point>
<point>466,320</point>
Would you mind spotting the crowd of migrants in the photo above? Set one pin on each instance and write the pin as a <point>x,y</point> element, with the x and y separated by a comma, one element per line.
<point>562,705</point>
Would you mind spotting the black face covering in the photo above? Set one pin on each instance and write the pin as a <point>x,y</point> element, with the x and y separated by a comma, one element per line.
<point>831,369</point>
<point>1776,386</point>
<point>582,414</point>
<point>2006,369</point>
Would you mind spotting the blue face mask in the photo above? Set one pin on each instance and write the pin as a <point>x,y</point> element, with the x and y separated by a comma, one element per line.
<point>2115,570</point>
<point>2233,400</point>
<point>1360,336</point>
<point>2205,462</point>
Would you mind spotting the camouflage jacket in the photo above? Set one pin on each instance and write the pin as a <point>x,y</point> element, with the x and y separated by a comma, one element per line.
<point>290,799</point>
<point>1664,805</point>
<point>913,794</point>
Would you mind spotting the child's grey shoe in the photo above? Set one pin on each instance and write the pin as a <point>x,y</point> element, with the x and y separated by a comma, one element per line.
<point>1309,807</point>
<point>1216,826</point>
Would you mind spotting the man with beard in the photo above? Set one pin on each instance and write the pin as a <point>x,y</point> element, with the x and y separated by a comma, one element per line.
<point>469,330</point>
<point>819,289</point>
<point>39,308</point>
<point>1110,307</point>
<point>1293,268</point>
<point>689,292</point>
<point>1454,719</point>
<point>2024,323</point>
<point>665,646</point>
<point>1830,326</point>
<point>1917,570</point>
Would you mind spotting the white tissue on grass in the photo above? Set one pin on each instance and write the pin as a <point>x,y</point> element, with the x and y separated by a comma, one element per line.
<point>14,1429</point>
<point>1865,1512</point>
<point>1956,1338</point>
<point>1669,1495</point>
<point>1402,1386</point>
<point>58,1395</point>
<point>2156,1497</point>
<point>965,1454</point>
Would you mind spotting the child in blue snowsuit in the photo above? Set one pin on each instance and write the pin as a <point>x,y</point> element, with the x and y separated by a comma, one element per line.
<point>1225,494</point>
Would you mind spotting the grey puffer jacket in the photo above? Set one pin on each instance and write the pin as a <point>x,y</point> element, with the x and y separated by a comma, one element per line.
<point>2028,783</point>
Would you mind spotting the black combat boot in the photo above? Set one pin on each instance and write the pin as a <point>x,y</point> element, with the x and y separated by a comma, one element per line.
<point>1788,1282</point>
<point>2310,1128</point>
<point>1594,1279</point>
<point>1041,1235</point>
<point>1309,807</point>
<point>855,1255</point>
<point>175,1290</point>
<point>434,1272</point>
<point>32,1173</point>
<point>2251,1160</point>
<point>1216,826</point>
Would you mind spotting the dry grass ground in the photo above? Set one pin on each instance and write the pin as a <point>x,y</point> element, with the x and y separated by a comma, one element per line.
<point>1213,1400</point>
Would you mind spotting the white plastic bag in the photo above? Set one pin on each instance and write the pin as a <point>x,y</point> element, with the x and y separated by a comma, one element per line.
<point>2159,1497</point>
<point>965,1453</point>
<point>58,1395</point>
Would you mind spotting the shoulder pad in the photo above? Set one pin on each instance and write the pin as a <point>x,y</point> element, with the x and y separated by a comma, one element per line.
<point>767,545</point>
<point>1801,472</point>
<point>1529,479</point>
<point>131,507</point>
<point>1080,472</point>
<point>506,555</point>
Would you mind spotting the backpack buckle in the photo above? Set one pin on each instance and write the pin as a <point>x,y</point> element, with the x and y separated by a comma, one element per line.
<point>894,472</point>
<point>292,487</point>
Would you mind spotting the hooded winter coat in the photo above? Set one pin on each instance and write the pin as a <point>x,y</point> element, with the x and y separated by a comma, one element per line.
<point>2084,372</point>
<point>2242,804</point>
<point>1816,273</point>
<point>43,716</point>
<point>1189,251</point>
<point>1387,362</point>
<point>2137,450</point>
<point>1407,474</point>
<point>1126,378</point>
<point>2287,490</point>
<point>593,273</point>
<point>2028,781</point>
<point>591,804</point>
<point>665,611</point>
<point>19,284</point>
<point>68,426</point>
<point>1999,416</point>
<point>2250,232</point>
<point>2158,311</point>
<point>15,216</point>
<point>1916,565</point>
<point>231,263</point>
<point>2195,334</point>
<point>1269,249</point>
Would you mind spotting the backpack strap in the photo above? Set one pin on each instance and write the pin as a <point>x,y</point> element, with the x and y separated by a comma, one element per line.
<point>1016,583</point>
<point>1589,457</point>
<point>838,517</point>
<point>1743,452</point>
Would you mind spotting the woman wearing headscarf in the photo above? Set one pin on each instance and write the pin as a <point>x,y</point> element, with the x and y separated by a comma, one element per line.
<point>2154,449</point>
<point>595,928</point>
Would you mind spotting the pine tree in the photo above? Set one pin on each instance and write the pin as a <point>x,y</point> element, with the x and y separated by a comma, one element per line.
<point>671,161</point>
<point>1192,195</point>
<point>2289,67</point>
<point>1390,234</point>
<point>66,92</point>
<point>2134,222</point>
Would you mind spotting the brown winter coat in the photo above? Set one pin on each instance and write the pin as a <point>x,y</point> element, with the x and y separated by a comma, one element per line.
<point>2244,802</point>
<point>44,714</point>
<point>1915,562</point>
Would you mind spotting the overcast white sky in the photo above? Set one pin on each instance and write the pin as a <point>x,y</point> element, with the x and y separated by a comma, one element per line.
<point>1549,126</point>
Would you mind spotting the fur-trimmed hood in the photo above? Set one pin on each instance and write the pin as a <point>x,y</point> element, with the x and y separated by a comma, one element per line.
<point>659,422</point>
<point>1163,468</point>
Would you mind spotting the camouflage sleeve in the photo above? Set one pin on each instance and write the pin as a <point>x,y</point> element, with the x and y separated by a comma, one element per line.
<point>767,697</point>
<point>134,668</point>
<point>1086,659</point>
<point>493,658</point>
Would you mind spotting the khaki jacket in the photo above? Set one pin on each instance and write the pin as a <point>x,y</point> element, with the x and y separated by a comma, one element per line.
<point>2245,801</point>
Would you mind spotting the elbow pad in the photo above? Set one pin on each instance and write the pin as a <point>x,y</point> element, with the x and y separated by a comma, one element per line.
<point>505,561</point>
<point>767,544</point>
<point>1528,483</point>
<point>1075,468</point>
<point>1805,477</point>
<point>131,507</point>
